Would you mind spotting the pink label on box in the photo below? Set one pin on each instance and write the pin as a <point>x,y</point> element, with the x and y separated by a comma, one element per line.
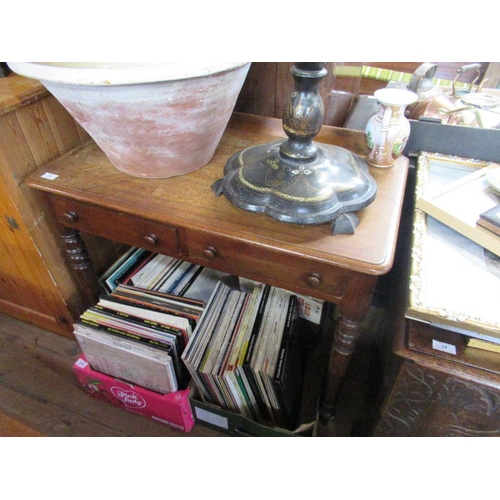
<point>130,398</point>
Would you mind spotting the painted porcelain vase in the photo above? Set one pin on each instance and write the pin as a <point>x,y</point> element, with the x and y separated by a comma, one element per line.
<point>387,132</point>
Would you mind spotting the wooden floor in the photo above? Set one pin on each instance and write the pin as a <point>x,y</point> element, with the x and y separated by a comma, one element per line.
<point>40,395</point>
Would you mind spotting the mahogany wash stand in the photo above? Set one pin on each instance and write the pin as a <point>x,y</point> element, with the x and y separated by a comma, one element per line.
<point>182,217</point>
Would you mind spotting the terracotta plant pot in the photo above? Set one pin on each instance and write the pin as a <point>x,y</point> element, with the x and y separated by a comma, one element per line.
<point>152,120</point>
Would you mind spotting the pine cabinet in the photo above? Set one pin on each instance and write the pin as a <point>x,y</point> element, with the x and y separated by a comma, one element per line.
<point>36,285</point>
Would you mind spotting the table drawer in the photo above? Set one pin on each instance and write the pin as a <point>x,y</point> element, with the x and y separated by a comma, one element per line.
<point>283,269</point>
<point>117,226</point>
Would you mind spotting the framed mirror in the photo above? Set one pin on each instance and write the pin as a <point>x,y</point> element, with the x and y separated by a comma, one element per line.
<point>454,282</point>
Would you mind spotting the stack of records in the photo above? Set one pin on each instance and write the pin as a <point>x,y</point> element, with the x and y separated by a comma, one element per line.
<point>139,339</point>
<point>245,354</point>
<point>137,334</point>
<point>164,274</point>
<point>156,272</point>
<point>131,261</point>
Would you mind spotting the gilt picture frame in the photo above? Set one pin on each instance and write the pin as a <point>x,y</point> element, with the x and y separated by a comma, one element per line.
<point>454,282</point>
<point>459,203</point>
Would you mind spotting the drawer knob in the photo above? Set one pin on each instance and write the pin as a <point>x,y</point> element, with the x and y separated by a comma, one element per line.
<point>151,239</point>
<point>314,280</point>
<point>70,216</point>
<point>209,253</point>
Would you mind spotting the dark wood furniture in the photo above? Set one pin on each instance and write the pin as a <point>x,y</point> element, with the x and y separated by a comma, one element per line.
<point>434,384</point>
<point>435,393</point>
<point>182,217</point>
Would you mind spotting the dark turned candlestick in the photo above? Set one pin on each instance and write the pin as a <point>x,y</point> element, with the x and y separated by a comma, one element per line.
<point>297,180</point>
<point>303,113</point>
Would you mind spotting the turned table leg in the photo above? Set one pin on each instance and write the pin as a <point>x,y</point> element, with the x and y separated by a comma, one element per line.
<point>81,263</point>
<point>353,310</point>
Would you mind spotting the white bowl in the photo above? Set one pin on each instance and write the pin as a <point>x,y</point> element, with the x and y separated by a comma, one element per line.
<point>151,119</point>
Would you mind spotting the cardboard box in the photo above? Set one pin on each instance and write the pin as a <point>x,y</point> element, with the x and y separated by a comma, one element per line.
<point>172,409</point>
<point>214,417</point>
<point>317,357</point>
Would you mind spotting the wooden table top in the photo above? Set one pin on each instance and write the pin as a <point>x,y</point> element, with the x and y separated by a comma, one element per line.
<point>188,201</point>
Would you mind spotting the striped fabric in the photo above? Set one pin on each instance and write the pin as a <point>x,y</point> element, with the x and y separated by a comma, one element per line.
<point>387,75</point>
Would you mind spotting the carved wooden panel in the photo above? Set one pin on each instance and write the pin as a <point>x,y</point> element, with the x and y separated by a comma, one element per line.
<point>426,402</point>
<point>408,401</point>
